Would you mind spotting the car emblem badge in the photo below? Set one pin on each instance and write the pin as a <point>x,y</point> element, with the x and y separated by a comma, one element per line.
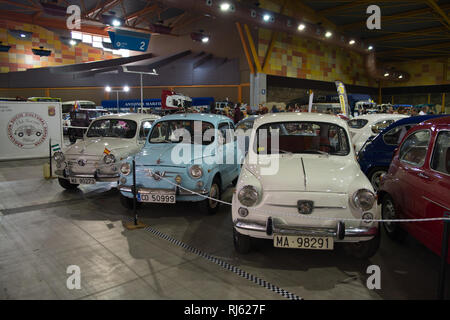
<point>158,175</point>
<point>82,162</point>
<point>305,206</point>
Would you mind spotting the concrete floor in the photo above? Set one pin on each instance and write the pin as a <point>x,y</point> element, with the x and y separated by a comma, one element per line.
<point>44,229</point>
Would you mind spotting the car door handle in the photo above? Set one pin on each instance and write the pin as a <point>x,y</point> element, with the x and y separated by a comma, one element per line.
<point>422,175</point>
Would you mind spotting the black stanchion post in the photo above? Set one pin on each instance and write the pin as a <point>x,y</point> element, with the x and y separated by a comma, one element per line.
<point>444,255</point>
<point>50,155</point>
<point>134,193</point>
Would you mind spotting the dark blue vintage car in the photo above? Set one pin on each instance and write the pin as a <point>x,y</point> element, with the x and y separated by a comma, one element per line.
<point>376,155</point>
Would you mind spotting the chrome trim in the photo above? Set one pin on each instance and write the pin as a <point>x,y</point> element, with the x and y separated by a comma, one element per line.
<point>180,191</point>
<point>283,229</point>
<point>98,177</point>
<point>436,203</point>
<point>294,206</point>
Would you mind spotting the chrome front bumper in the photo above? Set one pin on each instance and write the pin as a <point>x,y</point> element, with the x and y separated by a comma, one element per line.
<point>98,177</point>
<point>274,226</point>
<point>177,191</point>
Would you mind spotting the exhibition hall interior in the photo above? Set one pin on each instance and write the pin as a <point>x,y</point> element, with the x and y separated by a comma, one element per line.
<point>234,150</point>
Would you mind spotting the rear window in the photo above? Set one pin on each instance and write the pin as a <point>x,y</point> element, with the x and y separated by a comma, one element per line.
<point>357,123</point>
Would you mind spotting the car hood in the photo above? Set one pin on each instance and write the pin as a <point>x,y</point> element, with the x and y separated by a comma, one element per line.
<point>96,147</point>
<point>161,155</point>
<point>309,173</point>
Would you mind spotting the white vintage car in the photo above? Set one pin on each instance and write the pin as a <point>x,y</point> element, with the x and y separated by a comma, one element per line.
<point>369,125</point>
<point>97,157</point>
<point>298,183</point>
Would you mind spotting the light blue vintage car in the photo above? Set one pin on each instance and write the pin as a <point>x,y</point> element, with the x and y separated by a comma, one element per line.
<point>185,156</point>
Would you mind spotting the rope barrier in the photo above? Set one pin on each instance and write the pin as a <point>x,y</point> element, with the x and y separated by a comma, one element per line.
<point>307,217</point>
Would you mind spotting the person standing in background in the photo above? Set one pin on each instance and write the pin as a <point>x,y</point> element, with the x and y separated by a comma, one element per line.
<point>237,113</point>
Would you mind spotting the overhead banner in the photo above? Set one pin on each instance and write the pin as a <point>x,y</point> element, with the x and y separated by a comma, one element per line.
<point>123,39</point>
<point>345,108</point>
<point>27,127</point>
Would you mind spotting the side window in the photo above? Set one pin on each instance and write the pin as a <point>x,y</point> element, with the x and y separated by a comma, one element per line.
<point>146,125</point>
<point>441,153</point>
<point>226,132</point>
<point>414,148</point>
<point>394,136</point>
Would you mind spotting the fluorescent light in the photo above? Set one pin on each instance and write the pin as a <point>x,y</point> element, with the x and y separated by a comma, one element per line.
<point>87,38</point>
<point>126,88</point>
<point>386,74</point>
<point>205,39</point>
<point>22,35</point>
<point>301,27</point>
<point>328,34</point>
<point>370,48</point>
<point>225,6</point>
<point>108,89</point>
<point>400,76</point>
<point>351,42</point>
<point>266,17</point>
<point>116,23</point>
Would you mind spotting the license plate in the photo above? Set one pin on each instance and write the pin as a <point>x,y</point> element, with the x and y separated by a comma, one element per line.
<point>303,242</point>
<point>82,180</point>
<point>156,197</point>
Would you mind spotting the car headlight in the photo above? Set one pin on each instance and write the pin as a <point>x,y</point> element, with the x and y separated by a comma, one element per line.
<point>109,158</point>
<point>248,196</point>
<point>58,156</point>
<point>125,168</point>
<point>363,199</point>
<point>196,171</point>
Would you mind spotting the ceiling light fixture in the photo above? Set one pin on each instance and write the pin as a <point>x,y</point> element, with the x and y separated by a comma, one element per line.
<point>328,34</point>
<point>386,74</point>
<point>301,27</point>
<point>370,48</point>
<point>266,17</point>
<point>351,42</point>
<point>225,6</point>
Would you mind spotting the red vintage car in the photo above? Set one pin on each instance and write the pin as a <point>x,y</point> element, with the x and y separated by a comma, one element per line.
<point>417,184</point>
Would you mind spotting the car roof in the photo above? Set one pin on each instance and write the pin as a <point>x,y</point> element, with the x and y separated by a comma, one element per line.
<point>299,116</point>
<point>130,116</point>
<point>372,116</point>
<point>437,122</point>
<point>210,117</point>
<point>415,119</point>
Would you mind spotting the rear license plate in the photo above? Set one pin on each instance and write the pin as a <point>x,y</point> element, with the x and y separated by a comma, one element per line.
<point>156,197</point>
<point>82,180</point>
<point>303,242</point>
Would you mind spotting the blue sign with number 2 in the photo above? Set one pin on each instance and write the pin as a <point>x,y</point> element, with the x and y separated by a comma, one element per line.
<point>122,39</point>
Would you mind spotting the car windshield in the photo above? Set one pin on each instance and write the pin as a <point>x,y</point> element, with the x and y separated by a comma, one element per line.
<point>301,137</point>
<point>245,125</point>
<point>176,131</point>
<point>357,123</point>
<point>115,128</point>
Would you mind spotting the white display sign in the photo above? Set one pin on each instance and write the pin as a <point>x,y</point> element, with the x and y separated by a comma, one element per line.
<point>27,127</point>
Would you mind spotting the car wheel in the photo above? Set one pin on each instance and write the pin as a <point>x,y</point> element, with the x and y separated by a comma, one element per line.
<point>210,206</point>
<point>66,184</point>
<point>364,249</point>
<point>128,202</point>
<point>242,243</point>
<point>375,177</point>
<point>389,211</point>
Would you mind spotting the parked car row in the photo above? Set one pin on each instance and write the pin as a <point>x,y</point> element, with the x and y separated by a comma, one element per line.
<point>297,179</point>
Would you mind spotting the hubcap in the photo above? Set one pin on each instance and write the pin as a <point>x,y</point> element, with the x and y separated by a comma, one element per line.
<point>389,213</point>
<point>375,180</point>
<point>213,193</point>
